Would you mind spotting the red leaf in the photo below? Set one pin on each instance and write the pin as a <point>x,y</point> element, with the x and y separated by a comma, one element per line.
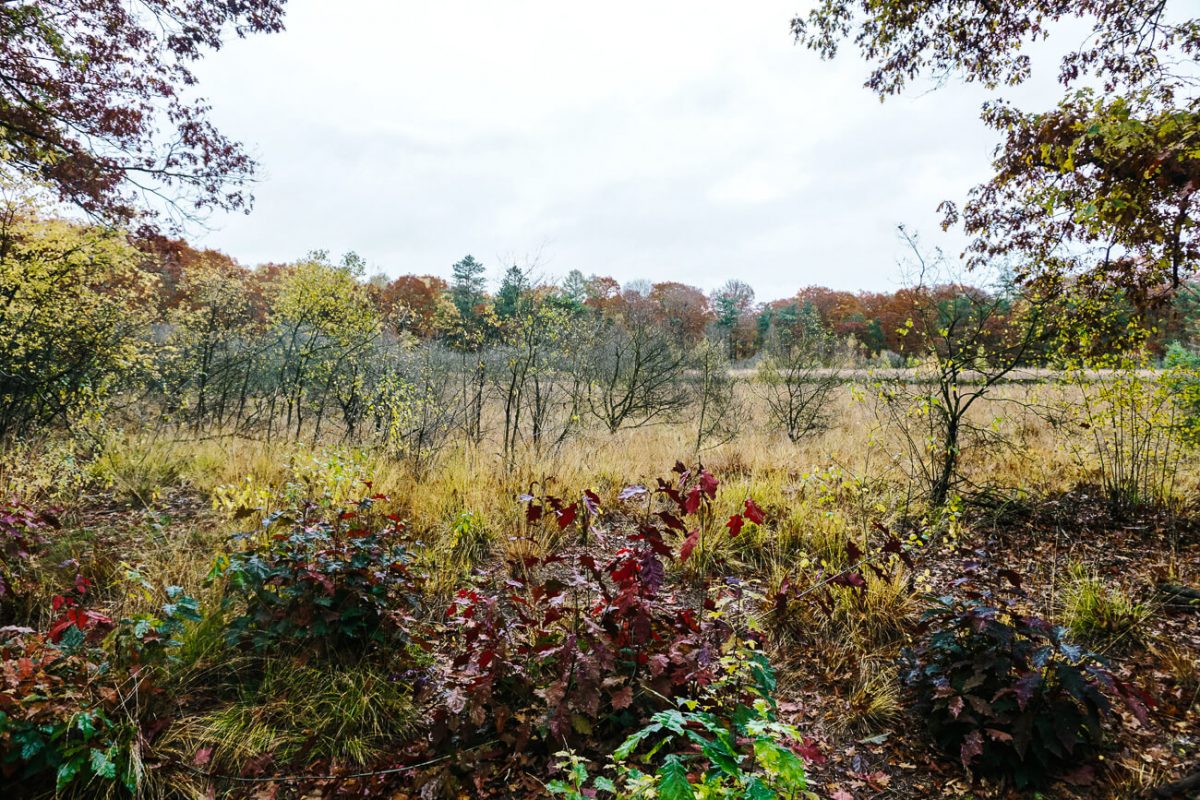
<point>567,515</point>
<point>735,524</point>
<point>972,748</point>
<point>689,544</point>
<point>754,513</point>
<point>672,521</point>
<point>692,504</point>
<point>853,553</point>
<point>708,484</point>
<point>808,750</point>
<point>622,698</point>
<point>1011,576</point>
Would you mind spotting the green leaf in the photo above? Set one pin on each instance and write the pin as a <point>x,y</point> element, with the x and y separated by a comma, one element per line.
<point>781,763</point>
<point>30,747</point>
<point>102,765</point>
<point>673,783</point>
<point>671,720</point>
<point>85,722</point>
<point>605,785</point>
<point>66,773</point>
<point>631,744</point>
<point>722,756</point>
<point>757,790</point>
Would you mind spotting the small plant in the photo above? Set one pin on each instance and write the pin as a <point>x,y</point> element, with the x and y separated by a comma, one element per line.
<point>874,700</point>
<point>470,537</point>
<point>574,784</point>
<point>726,744</point>
<point>151,639</point>
<point>336,585</point>
<point>68,697</point>
<point>1007,692</point>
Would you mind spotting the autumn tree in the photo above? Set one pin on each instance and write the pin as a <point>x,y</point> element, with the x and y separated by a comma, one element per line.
<point>731,305</point>
<point>74,309</point>
<point>634,376</point>
<point>409,303</point>
<point>216,344</point>
<point>325,322</point>
<point>602,292</point>
<point>1107,186</point>
<point>96,101</point>
<point>1097,185</point>
<point>536,373</point>
<point>412,404</point>
<point>684,311</point>
<point>717,413</point>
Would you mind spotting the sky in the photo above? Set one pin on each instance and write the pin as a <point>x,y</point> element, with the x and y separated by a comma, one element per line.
<point>668,140</point>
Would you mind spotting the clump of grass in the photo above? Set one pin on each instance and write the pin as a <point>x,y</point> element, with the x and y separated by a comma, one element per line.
<point>874,700</point>
<point>345,714</point>
<point>1099,612</point>
<point>138,470</point>
<point>876,615</point>
<point>470,540</point>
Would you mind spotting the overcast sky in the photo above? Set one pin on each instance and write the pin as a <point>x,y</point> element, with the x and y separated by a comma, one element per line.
<point>689,141</point>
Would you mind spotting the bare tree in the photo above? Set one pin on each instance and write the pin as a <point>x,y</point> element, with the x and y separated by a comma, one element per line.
<point>719,414</point>
<point>970,340</point>
<point>798,376</point>
<point>635,376</point>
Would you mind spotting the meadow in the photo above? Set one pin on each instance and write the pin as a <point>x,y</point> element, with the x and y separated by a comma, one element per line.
<point>284,660</point>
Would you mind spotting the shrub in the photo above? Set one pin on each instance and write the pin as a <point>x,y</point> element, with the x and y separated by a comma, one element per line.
<point>334,585</point>
<point>571,645</point>
<point>65,345</point>
<point>72,699</point>
<point>60,714</point>
<point>1136,428</point>
<point>1006,692</point>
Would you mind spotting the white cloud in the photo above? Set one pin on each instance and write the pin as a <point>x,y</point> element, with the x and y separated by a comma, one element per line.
<point>688,141</point>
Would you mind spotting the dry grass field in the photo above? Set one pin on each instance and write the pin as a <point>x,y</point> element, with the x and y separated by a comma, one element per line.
<point>148,510</point>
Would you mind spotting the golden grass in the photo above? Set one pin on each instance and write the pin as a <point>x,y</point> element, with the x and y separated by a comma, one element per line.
<point>819,495</point>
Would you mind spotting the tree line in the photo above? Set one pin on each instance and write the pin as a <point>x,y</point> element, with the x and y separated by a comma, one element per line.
<point>316,349</point>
